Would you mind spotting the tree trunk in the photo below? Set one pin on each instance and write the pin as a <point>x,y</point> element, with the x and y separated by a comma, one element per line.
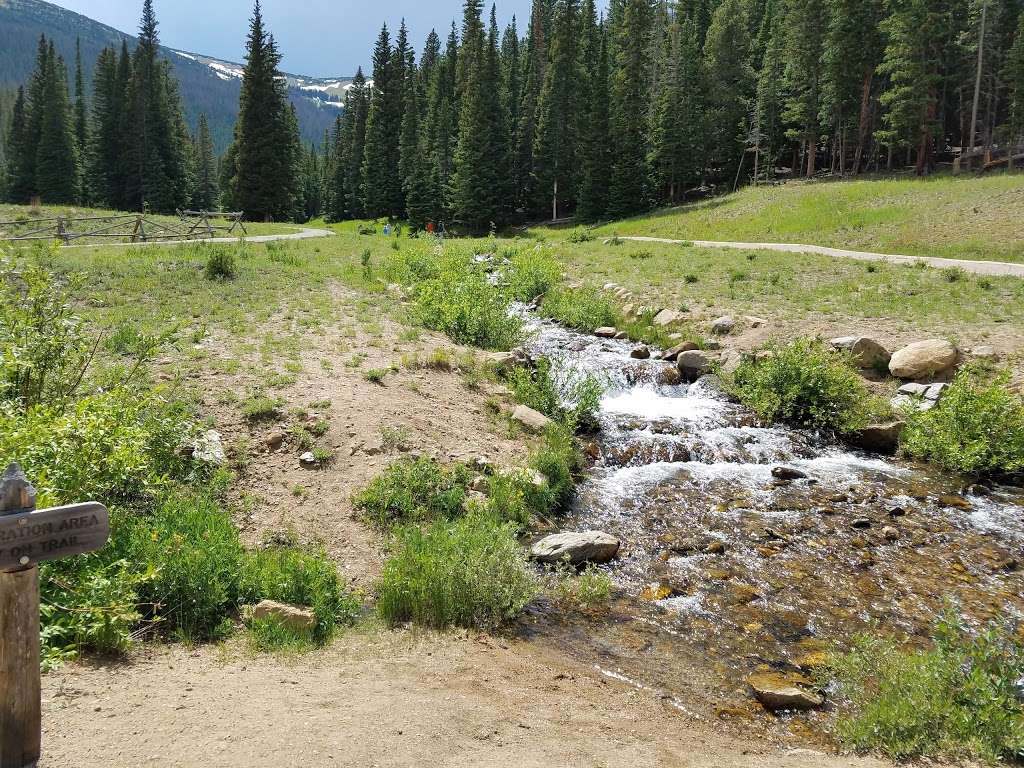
<point>864,125</point>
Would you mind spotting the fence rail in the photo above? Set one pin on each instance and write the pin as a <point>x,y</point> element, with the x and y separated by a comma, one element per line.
<point>130,228</point>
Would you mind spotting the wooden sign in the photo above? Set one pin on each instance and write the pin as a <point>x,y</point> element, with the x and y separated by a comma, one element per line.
<point>28,537</point>
<point>48,534</point>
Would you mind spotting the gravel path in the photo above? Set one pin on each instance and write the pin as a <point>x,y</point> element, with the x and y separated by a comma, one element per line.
<point>977,267</point>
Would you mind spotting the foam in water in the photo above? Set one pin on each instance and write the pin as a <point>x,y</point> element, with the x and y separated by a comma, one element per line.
<point>647,402</point>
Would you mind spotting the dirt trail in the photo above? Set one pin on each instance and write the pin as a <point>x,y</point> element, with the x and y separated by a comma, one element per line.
<point>379,698</point>
<point>977,267</point>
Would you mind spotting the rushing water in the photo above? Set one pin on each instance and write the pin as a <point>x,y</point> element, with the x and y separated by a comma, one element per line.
<point>725,569</point>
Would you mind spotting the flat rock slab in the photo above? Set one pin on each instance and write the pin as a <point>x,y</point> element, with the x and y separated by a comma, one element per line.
<point>576,548</point>
<point>778,692</point>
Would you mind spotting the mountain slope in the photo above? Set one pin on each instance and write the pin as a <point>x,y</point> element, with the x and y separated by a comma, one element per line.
<point>207,84</point>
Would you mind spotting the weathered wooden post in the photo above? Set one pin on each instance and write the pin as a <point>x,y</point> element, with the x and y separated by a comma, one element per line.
<point>28,537</point>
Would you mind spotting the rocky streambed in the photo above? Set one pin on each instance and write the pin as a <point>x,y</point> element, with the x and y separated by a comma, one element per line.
<point>749,549</point>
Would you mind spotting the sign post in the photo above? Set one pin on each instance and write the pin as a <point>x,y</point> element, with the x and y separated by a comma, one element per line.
<point>28,537</point>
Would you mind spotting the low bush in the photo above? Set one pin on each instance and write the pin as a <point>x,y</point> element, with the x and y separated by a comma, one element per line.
<point>460,302</point>
<point>590,588</point>
<point>532,273</point>
<point>220,262</point>
<point>976,428</point>
<point>292,576</point>
<point>580,235</point>
<point>412,491</point>
<point>469,573</point>
<point>958,698</point>
<point>559,460</point>
<point>573,401</point>
<point>585,309</point>
<point>806,384</point>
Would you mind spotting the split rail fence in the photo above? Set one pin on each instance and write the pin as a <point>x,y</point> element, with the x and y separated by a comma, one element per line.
<point>129,228</point>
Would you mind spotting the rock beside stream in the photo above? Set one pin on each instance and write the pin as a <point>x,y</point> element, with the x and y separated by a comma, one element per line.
<point>878,438</point>
<point>866,353</point>
<point>923,359</point>
<point>692,365</point>
<point>777,692</point>
<point>530,420</point>
<point>576,548</point>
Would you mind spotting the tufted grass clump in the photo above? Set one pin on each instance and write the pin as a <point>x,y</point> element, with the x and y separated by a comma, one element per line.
<point>220,263</point>
<point>470,572</point>
<point>807,384</point>
<point>976,428</point>
<point>532,273</point>
<point>574,402</point>
<point>957,698</point>
<point>585,309</point>
<point>414,491</point>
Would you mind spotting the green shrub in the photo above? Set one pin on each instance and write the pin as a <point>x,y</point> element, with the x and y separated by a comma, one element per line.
<point>469,573</point>
<point>532,273</point>
<point>584,309</point>
<point>194,551</point>
<point>261,408</point>
<point>461,303</point>
<point>220,262</point>
<point>957,698</point>
<point>559,460</point>
<point>411,491</point>
<point>541,388</point>
<point>580,235</point>
<point>292,576</point>
<point>807,384</point>
<point>976,428</point>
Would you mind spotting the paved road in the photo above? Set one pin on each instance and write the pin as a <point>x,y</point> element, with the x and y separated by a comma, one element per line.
<point>977,267</point>
<point>303,234</point>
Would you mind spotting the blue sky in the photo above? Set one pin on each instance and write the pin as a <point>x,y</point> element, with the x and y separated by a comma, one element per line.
<point>317,37</point>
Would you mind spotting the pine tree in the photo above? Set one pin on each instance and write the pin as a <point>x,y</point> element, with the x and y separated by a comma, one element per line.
<point>919,32</point>
<point>595,150</point>
<point>207,189</point>
<point>440,132</point>
<point>110,83</point>
<point>627,191</point>
<point>676,156</point>
<point>526,129</point>
<point>21,165</point>
<point>353,144</point>
<point>409,145</point>
<point>56,176</point>
<point>266,146</point>
<point>730,90</point>
<point>1014,75</point>
<point>554,148</point>
<point>474,187</point>
<point>81,127</point>
<point>805,25</point>
<point>768,134</point>
<point>382,184</point>
<point>852,52</point>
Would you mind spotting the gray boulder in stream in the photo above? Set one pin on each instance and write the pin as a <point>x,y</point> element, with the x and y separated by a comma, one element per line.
<point>692,365</point>
<point>576,548</point>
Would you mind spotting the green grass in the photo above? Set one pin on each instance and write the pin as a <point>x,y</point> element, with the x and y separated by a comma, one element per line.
<point>953,217</point>
<point>413,491</point>
<point>468,573</point>
<point>956,698</point>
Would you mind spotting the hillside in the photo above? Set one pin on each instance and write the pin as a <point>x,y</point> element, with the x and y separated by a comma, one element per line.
<point>967,218</point>
<point>208,84</point>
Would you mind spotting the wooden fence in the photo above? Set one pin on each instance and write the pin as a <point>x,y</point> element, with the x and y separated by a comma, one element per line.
<point>128,228</point>
<point>989,158</point>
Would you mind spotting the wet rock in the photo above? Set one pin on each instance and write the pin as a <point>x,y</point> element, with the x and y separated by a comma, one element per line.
<point>925,358</point>
<point>530,420</point>
<point>291,616</point>
<point>669,377</point>
<point>641,353</point>
<point>865,352</point>
<point>714,548</point>
<point>605,333</point>
<point>662,591</point>
<point>889,533</point>
<point>861,523</point>
<point>742,594</point>
<point>621,336</point>
<point>788,473</point>
<point>692,365</point>
<point>723,326</point>
<point>778,692</point>
<point>957,502</point>
<point>712,385</point>
<point>576,548</point>
<point>673,354</point>
<point>878,438</point>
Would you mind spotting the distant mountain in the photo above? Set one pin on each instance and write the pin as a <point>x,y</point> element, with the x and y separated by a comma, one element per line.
<point>208,84</point>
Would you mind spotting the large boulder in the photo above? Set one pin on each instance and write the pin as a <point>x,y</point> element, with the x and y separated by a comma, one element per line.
<point>778,692</point>
<point>678,349</point>
<point>692,365</point>
<point>867,353</point>
<point>291,616</point>
<point>723,326</point>
<point>530,420</point>
<point>576,548</point>
<point>923,359</point>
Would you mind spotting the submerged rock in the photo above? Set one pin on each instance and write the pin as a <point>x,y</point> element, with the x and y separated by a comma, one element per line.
<point>923,359</point>
<point>576,548</point>
<point>777,692</point>
<point>788,473</point>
